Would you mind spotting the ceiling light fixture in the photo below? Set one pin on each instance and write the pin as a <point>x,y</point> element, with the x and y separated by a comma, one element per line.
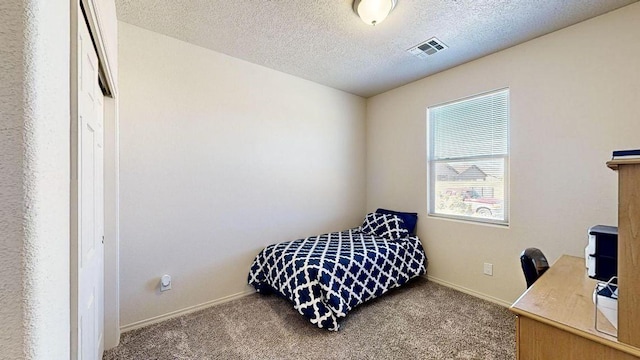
<point>373,12</point>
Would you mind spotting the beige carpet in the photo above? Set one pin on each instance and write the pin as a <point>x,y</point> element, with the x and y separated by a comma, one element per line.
<point>422,320</point>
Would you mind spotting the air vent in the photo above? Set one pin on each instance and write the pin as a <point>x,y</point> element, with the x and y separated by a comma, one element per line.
<point>428,48</point>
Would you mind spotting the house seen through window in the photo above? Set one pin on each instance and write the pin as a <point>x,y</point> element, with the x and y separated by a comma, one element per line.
<point>468,155</point>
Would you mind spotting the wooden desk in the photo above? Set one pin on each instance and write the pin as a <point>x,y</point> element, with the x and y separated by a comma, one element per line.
<point>555,318</point>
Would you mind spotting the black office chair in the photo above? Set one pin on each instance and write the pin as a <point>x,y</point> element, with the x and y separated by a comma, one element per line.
<point>534,264</point>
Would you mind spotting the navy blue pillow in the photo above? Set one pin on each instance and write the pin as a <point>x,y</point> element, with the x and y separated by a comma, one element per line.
<point>409,219</point>
<point>384,225</point>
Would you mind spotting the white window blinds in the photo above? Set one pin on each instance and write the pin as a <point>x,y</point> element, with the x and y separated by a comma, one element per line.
<point>468,158</point>
<point>474,127</point>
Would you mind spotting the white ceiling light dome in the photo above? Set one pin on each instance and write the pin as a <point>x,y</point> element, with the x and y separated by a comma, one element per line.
<point>373,12</point>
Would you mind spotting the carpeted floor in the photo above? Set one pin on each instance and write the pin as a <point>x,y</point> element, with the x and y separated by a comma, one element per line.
<point>421,320</point>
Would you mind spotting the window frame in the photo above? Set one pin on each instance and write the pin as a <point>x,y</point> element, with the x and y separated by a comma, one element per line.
<point>431,165</point>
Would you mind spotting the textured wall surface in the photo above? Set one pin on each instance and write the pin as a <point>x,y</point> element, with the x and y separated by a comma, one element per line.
<point>34,179</point>
<point>220,157</point>
<point>570,107</point>
<point>12,330</point>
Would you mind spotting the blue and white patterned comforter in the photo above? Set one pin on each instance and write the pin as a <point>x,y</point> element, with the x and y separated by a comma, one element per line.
<point>326,276</point>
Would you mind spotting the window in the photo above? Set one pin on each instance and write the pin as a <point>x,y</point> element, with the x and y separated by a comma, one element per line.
<point>468,155</point>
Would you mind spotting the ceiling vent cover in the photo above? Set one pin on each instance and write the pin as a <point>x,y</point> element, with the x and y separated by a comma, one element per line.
<point>428,48</point>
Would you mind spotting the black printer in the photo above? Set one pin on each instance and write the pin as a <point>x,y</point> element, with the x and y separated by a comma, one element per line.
<point>601,255</point>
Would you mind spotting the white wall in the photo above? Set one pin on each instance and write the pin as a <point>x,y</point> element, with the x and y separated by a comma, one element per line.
<point>220,157</point>
<point>34,179</point>
<point>574,99</point>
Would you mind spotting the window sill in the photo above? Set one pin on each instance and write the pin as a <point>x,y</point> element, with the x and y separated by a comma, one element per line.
<point>475,221</point>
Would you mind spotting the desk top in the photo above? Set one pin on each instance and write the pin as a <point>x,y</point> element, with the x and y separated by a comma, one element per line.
<point>563,297</point>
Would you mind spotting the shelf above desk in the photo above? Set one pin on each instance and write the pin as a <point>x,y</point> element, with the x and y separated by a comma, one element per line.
<point>614,164</point>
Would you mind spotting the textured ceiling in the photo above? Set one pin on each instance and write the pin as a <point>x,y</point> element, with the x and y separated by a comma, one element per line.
<point>324,41</point>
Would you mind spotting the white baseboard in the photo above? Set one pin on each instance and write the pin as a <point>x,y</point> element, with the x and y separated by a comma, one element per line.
<point>187,310</point>
<point>469,291</point>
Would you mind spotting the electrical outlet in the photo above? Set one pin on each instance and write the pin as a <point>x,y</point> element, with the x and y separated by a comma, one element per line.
<point>165,283</point>
<point>488,269</point>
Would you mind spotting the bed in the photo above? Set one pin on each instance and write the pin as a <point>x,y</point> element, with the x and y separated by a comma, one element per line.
<point>328,275</point>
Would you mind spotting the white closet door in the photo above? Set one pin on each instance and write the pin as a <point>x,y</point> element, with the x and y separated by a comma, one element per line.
<point>90,201</point>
